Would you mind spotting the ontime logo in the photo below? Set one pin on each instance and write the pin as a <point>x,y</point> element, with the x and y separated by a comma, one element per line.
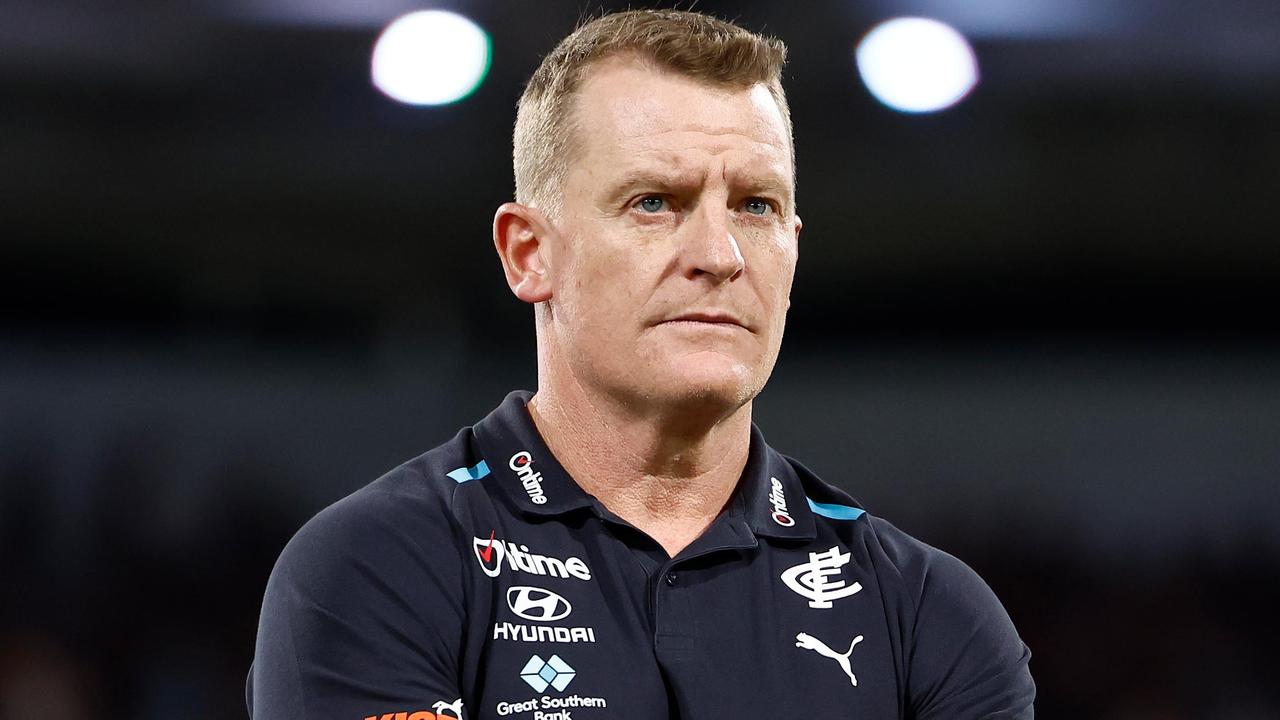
<point>779,502</point>
<point>491,552</point>
<point>522,465</point>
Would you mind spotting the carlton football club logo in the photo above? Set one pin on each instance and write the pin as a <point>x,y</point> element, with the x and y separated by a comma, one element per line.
<point>819,579</point>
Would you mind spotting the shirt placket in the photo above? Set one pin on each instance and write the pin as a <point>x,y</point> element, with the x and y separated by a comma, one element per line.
<point>673,589</point>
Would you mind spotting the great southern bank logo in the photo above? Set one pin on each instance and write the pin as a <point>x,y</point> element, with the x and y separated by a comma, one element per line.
<point>491,552</point>
<point>541,673</point>
<point>522,465</point>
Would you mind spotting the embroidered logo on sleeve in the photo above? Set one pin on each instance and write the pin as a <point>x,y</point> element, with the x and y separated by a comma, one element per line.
<point>454,710</point>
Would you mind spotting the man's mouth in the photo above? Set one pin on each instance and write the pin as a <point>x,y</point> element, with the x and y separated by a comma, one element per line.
<point>709,317</point>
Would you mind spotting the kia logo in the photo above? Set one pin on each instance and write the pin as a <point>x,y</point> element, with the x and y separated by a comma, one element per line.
<point>533,603</point>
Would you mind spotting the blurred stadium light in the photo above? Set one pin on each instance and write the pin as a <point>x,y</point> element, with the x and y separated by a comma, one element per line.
<point>316,13</point>
<point>430,57</point>
<point>1026,19</point>
<point>916,64</point>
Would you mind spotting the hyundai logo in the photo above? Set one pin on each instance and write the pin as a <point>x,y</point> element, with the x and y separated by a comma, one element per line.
<point>533,603</point>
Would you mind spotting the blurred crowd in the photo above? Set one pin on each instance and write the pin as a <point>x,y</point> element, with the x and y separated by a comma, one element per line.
<point>136,604</point>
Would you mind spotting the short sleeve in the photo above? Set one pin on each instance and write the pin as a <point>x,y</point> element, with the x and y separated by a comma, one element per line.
<point>362,616</point>
<point>966,659</point>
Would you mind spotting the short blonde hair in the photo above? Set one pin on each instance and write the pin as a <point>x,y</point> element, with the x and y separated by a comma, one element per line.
<point>699,46</point>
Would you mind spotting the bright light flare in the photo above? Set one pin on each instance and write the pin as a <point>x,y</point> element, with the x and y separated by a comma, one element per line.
<point>430,57</point>
<point>917,65</point>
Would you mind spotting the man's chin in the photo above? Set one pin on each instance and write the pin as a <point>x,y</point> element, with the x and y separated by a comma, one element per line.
<point>709,386</point>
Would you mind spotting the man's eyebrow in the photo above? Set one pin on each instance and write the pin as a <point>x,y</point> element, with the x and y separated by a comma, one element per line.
<point>766,181</point>
<point>769,181</point>
<point>650,178</point>
<point>644,176</point>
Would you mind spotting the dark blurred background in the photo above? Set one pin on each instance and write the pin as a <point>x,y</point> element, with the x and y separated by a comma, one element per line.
<point>1038,329</point>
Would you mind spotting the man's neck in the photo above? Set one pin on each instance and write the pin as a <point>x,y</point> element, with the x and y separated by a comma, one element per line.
<point>668,477</point>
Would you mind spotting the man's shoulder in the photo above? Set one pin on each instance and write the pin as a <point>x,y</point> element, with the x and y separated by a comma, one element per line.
<point>408,512</point>
<point>963,645</point>
<point>907,560</point>
<point>417,490</point>
<point>915,561</point>
<point>372,584</point>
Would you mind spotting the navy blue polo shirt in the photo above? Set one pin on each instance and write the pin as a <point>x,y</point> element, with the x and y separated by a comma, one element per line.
<point>480,581</point>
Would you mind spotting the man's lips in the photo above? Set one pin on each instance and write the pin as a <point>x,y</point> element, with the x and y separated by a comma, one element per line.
<point>710,317</point>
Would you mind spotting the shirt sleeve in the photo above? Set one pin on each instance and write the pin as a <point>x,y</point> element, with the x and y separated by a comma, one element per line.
<point>362,616</point>
<point>966,659</point>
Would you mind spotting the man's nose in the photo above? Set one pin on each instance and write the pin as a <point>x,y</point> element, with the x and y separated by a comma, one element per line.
<point>713,250</point>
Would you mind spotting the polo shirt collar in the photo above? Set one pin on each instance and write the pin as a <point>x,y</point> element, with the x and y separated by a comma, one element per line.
<point>770,494</point>
<point>521,464</point>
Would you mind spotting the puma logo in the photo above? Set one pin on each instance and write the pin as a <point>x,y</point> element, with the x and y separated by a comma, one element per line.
<point>809,642</point>
<point>454,707</point>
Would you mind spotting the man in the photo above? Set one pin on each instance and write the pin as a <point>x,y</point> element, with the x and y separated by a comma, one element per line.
<point>623,543</point>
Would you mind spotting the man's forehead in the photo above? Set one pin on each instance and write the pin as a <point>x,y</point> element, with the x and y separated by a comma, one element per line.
<point>640,110</point>
<point>627,108</point>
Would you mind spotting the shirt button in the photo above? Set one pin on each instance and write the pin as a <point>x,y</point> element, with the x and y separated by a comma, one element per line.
<point>672,578</point>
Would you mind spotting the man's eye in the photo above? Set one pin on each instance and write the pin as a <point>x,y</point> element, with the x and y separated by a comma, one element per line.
<point>756,206</point>
<point>652,204</point>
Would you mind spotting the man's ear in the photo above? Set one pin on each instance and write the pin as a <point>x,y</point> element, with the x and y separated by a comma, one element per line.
<point>520,235</point>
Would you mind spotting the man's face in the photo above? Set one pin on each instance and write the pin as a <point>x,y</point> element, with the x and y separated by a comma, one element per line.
<point>676,240</point>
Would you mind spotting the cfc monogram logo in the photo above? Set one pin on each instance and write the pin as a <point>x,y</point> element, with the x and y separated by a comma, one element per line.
<point>814,579</point>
